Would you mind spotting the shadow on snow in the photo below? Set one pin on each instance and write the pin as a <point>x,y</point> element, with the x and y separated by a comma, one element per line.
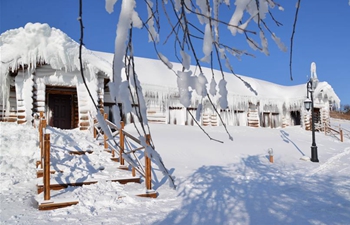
<point>256,192</point>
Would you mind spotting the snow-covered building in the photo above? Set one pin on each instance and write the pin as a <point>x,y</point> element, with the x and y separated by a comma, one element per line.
<point>40,72</point>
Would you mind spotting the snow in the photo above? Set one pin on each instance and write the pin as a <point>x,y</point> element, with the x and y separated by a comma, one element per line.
<point>229,183</point>
<point>207,44</point>
<point>40,43</point>
<point>36,42</point>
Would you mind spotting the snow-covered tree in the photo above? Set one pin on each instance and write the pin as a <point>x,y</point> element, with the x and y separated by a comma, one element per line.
<point>191,22</point>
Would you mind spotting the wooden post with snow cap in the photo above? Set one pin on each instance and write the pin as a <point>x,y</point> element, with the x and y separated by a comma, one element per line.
<point>46,177</point>
<point>42,126</point>
<point>270,151</point>
<point>40,131</point>
<point>121,143</point>
<point>341,134</point>
<point>94,129</point>
<point>148,165</point>
<point>105,135</point>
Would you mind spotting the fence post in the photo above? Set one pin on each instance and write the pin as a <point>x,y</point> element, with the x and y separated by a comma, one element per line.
<point>148,165</point>
<point>40,130</point>
<point>42,126</point>
<point>105,135</point>
<point>46,177</point>
<point>133,171</point>
<point>341,134</point>
<point>95,131</point>
<point>121,143</point>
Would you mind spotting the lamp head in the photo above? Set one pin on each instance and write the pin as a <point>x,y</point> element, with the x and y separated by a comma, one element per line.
<point>307,104</point>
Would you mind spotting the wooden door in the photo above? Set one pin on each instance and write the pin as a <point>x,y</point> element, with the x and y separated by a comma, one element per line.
<point>317,115</point>
<point>61,111</point>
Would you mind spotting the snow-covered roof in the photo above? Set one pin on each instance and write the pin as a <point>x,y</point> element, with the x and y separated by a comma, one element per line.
<point>156,77</point>
<point>38,43</point>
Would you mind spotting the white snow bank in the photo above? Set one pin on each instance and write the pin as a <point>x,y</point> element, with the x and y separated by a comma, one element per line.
<point>235,176</point>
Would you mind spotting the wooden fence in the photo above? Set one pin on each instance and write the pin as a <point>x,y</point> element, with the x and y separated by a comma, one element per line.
<point>44,171</point>
<point>335,131</point>
<point>130,150</point>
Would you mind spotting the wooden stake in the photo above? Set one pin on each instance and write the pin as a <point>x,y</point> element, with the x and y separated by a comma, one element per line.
<point>341,134</point>
<point>271,158</point>
<point>121,143</point>
<point>133,172</point>
<point>41,143</point>
<point>148,166</point>
<point>95,131</point>
<point>46,167</point>
<point>105,135</point>
<point>42,125</point>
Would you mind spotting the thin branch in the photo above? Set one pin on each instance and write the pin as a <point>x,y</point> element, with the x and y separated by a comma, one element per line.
<point>292,39</point>
<point>80,19</point>
<point>194,119</point>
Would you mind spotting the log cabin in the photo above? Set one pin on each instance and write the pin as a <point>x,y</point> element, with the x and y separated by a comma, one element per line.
<point>40,72</point>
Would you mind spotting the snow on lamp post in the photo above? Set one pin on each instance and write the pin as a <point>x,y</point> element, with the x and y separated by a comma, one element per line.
<point>309,104</point>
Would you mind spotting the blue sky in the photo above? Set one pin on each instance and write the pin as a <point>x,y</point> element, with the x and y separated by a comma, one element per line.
<point>322,36</point>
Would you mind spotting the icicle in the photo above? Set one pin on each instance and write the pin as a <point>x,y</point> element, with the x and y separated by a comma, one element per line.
<point>223,94</point>
<point>212,89</point>
<point>207,44</point>
<point>186,60</point>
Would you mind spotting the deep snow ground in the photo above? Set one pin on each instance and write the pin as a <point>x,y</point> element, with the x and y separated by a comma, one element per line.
<point>230,183</point>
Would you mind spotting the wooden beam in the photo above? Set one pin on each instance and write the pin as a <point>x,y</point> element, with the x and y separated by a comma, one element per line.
<point>56,205</point>
<point>80,152</point>
<point>105,135</point>
<point>121,143</point>
<point>148,166</point>
<point>152,194</point>
<point>61,186</point>
<point>46,167</point>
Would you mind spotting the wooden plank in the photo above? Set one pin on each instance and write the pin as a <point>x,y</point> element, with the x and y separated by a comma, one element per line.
<point>126,180</point>
<point>132,137</point>
<point>60,186</point>
<point>40,172</point>
<point>149,195</point>
<point>56,205</point>
<point>80,152</point>
<point>123,167</point>
<point>115,159</point>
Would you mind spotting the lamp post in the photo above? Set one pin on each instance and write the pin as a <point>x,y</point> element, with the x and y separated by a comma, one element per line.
<point>309,104</point>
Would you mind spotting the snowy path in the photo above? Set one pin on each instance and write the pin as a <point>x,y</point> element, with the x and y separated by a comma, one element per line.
<point>335,162</point>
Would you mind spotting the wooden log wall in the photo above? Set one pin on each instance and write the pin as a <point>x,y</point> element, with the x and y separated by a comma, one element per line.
<point>253,118</point>
<point>10,116</point>
<point>39,96</point>
<point>83,102</point>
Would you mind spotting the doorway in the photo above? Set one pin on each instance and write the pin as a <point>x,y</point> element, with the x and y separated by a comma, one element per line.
<point>62,107</point>
<point>295,118</point>
<point>60,111</point>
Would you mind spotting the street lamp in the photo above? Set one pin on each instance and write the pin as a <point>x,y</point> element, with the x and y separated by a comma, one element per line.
<point>309,104</point>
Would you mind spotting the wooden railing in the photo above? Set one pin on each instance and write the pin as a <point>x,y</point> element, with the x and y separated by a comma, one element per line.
<point>44,171</point>
<point>128,148</point>
<point>337,132</point>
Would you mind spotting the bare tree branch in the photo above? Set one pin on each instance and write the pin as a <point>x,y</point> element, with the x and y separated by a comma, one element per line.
<point>292,39</point>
